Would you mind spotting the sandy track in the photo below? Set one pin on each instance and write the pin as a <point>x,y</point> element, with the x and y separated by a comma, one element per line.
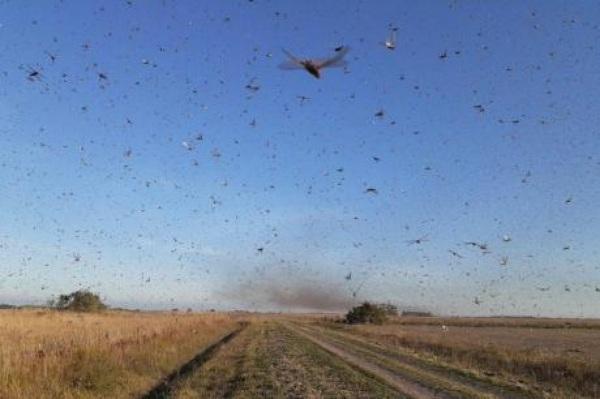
<point>402,384</point>
<point>407,373</point>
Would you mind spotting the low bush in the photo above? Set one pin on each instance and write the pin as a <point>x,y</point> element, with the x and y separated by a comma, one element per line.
<point>370,313</point>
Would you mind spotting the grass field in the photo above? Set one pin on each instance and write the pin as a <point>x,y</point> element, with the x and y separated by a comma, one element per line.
<point>48,354</point>
<point>551,356</point>
<point>552,362</point>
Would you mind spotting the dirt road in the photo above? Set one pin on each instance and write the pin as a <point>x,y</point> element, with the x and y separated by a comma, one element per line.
<point>267,360</point>
<point>410,388</point>
<point>412,375</point>
<point>282,359</point>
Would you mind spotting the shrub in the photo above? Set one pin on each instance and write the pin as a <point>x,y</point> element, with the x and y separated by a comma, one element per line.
<point>370,313</point>
<point>80,301</point>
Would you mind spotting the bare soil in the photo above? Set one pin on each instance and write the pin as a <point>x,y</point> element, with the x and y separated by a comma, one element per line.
<point>279,358</point>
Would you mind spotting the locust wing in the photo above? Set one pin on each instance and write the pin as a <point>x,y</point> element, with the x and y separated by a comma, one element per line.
<point>293,62</point>
<point>335,61</point>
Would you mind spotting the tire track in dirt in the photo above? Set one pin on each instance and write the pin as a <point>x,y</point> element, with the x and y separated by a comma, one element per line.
<point>320,375</point>
<point>462,381</point>
<point>164,389</point>
<point>268,360</point>
<point>436,378</point>
<point>404,385</point>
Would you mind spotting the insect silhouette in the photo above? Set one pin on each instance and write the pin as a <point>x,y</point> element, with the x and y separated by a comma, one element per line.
<point>481,246</point>
<point>417,241</point>
<point>314,66</point>
<point>390,41</point>
<point>454,253</point>
<point>34,75</point>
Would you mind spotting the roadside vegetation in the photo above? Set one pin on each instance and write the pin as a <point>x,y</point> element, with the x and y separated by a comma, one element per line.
<point>561,362</point>
<point>517,322</point>
<point>53,354</point>
<point>370,313</point>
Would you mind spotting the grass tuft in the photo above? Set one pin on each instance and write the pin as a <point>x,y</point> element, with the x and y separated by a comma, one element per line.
<point>94,371</point>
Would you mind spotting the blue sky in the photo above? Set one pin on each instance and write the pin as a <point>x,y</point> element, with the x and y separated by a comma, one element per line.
<point>269,209</point>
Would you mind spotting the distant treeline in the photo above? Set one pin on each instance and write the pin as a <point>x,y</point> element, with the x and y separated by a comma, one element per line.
<point>9,306</point>
<point>416,313</point>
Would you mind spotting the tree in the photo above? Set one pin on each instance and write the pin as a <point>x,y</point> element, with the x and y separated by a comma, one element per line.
<point>80,301</point>
<point>370,313</point>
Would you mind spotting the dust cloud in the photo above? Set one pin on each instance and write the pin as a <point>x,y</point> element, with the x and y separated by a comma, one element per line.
<point>301,296</point>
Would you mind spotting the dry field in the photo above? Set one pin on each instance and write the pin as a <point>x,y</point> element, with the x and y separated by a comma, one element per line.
<point>550,357</point>
<point>521,322</point>
<point>47,354</point>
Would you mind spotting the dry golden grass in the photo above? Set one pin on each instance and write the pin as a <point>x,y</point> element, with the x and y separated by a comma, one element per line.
<point>529,322</point>
<point>50,354</point>
<point>553,359</point>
